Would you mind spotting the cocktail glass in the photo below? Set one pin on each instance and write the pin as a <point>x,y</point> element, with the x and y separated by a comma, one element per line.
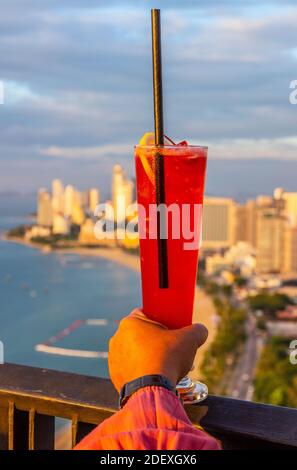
<point>184,175</point>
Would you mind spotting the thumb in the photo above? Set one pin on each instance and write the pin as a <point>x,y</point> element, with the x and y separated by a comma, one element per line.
<point>196,334</point>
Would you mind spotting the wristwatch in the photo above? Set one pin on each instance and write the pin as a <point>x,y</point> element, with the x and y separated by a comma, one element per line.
<point>145,381</point>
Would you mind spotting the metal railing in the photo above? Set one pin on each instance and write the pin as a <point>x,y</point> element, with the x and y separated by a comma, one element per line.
<point>31,399</point>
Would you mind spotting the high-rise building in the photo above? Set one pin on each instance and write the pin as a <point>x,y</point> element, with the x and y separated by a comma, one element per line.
<point>246,222</point>
<point>251,220</point>
<point>93,199</point>
<point>241,222</point>
<point>61,225</point>
<point>268,224</point>
<point>77,214</point>
<point>44,208</point>
<point>128,191</point>
<point>57,196</point>
<point>219,223</point>
<point>122,193</point>
<point>289,261</point>
<point>117,181</point>
<point>69,200</point>
<point>74,203</point>
<point>264,200</point>
<point>270,237</point>
<point>83,199</point>
<point>290,200</point>
<point>87,234</point>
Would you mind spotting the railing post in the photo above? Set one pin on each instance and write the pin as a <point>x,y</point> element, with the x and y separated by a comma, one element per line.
<point>4,427</point>
<point>41,431</point>
<point>79,430</point>
<point>18,428</point>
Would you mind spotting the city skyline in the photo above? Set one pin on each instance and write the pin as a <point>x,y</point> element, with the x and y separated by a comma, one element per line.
<point>239,179</point>
<point>262,232</point>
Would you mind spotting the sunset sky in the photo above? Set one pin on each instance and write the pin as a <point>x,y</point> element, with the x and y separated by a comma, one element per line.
<point>78,85</point>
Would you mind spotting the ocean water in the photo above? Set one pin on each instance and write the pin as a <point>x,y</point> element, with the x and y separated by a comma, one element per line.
<point>42,294</point>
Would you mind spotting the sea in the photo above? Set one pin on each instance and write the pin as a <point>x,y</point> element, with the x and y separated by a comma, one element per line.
<point>64,301</point>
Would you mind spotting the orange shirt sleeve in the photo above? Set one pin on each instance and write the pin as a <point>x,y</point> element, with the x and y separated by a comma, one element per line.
<point>152,419</point>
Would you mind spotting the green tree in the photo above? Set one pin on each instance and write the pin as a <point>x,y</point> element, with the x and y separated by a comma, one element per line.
<point>240,281</point>
<point>227,343</point>
<point>275,381</point>
<point>269,303</point>
<point>18,231</point>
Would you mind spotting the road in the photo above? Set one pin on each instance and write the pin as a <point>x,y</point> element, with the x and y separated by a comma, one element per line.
<point>204,312</point>
<point>240,384</point>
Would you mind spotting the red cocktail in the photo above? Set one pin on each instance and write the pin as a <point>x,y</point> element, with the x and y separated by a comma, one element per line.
<point>184,175</point>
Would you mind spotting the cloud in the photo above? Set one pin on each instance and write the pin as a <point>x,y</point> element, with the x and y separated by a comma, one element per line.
<point>15,92</point>
<point>83,153</point>
<point>79,84</point>
<point>221,149</point>
<point>285,147</point>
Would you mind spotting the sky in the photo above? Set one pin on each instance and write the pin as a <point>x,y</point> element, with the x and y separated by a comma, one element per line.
<point>78,88</point>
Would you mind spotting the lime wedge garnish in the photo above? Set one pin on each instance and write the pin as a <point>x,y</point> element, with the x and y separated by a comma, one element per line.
<point>146,140</point>
<point>149,139</point>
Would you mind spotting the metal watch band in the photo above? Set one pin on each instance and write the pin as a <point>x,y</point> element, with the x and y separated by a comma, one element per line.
<point>145,381</point>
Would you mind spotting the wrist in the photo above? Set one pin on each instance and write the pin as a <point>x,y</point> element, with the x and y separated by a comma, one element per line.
<point>119,380</point>
<point>151,380</point>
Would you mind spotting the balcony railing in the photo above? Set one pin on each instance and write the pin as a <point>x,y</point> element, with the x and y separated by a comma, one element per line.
<point>31,398</point>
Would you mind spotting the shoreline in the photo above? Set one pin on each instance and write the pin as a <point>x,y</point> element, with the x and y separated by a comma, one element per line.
<point>110,253</point>
<point>204,309</point>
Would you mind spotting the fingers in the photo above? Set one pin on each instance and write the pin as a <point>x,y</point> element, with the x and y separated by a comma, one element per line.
<point>201,333</point>
<point>137,313</point>
<point>134,314</point>
<point>196,333</point>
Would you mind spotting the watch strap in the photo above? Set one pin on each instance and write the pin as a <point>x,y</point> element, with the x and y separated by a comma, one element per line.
<point>153,380</point>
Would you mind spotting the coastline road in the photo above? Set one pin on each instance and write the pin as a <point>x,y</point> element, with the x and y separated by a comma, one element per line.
<point>240,384</point>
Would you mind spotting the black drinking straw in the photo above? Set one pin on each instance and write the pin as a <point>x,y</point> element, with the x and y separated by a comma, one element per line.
<point>159,141</point>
